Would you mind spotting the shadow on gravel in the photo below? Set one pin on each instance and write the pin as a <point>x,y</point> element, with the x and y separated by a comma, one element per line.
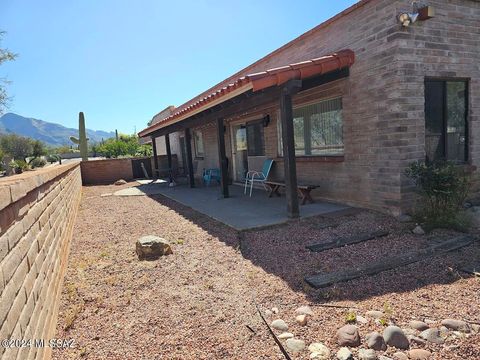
<point>281,250</point>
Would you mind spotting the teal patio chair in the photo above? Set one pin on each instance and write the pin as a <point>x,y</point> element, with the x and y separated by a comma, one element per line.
<point>258,176</point>
<point>211,174</point>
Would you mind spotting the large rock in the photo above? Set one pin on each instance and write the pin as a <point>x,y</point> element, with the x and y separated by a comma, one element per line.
<point>375,341</point>
<point>457,325</point>
<point>348,335</point>
<point>432,335</point>
<point>344,354</point>
<point>395,337</point>
<point>319,351</point>
<point>152,247</point>
<point>367,354</point>
<point>295,345</point>
<point>419,354</point>
<point>418,325</point>
<point>279,324</point>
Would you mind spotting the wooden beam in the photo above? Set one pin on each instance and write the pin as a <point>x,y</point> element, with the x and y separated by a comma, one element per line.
<point>289,163</point>
<point>188,146</point>
<point>240,104</point>
<point>222,159</point>
<point>169,156</point>
<point>155,157</point>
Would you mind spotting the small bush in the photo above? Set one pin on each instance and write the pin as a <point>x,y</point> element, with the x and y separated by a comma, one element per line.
<point>18,166</point>
<point>443,188</point>
<point>37,162</point>
<point>53,158</point>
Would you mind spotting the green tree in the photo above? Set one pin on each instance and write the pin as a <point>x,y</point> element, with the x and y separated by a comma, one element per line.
<point>5,55</point>
<point>18,147</point>
<point>38,149</point>
<point>125,146</point>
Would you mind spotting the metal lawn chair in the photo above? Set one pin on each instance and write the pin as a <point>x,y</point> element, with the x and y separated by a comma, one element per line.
<point>258,176</point>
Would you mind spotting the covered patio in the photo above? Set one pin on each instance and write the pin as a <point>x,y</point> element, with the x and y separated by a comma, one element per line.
<point>268,92</point>
<point>238,211</point>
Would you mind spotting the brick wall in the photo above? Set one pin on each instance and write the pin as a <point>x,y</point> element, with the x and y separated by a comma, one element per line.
<point>383,98</point>
<point>106,171</point>
<point>37,214</point>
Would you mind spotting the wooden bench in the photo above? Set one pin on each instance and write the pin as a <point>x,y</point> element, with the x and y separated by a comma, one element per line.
<point>302,189</point>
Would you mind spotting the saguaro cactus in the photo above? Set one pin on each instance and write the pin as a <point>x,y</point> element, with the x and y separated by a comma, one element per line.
<point>82,139</point>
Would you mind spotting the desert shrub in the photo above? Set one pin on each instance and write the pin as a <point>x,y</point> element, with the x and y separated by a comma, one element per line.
<point>19,166</point>
<point>37,162</point>
<point>443,188</point>
<point>53,158</point>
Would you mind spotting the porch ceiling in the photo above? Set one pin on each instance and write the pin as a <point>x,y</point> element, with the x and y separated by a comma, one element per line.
<point>259,81</point>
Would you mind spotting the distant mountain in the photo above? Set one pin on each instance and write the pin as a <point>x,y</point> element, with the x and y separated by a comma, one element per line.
<point>50,133</point>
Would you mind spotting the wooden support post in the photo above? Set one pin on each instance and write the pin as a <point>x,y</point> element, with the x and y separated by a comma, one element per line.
<point>222,159</point>
<point>188,146</point>
<point>169,157</point>
<point>155,158</point>
<point>290,168</point>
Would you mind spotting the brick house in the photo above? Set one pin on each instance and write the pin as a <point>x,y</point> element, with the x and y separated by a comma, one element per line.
<point>347,105</point>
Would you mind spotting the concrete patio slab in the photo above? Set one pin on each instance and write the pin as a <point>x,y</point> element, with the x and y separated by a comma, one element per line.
<point>241,211</point>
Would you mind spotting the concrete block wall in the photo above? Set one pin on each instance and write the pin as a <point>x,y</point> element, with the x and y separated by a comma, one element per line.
<point>37,214</point>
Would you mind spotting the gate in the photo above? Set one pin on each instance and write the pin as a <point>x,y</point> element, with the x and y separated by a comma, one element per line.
<point>137,167</point>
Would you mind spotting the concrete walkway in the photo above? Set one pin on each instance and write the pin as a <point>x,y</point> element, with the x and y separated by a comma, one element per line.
<point>239,211</point>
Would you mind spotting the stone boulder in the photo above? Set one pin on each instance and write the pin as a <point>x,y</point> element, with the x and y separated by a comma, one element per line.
<point>152,247</point>
<point>375,341</point>
<point>120,182</point>
<point>457,325</point>
<point>348,335</point>
<point>394,336</point>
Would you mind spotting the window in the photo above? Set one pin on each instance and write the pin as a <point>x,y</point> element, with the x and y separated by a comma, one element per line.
<point>318,129</point>
<point>198,144</point>
<point>446,129</point>
<point>255,138</point>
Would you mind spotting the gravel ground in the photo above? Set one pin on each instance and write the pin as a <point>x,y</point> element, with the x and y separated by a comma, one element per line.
<point>199,302</point>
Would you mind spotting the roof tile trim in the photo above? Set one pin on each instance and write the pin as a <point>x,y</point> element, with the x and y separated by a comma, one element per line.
<point>260,81</point>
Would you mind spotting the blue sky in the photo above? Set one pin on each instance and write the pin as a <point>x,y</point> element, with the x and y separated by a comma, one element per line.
<point>123,61</point>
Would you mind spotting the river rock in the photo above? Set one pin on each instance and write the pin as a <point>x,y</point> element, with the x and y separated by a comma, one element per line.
<point>348,335</point>
<point>295,345</point>
<point>457,325</point>
<point>418,230</point>
<point>152,247</point>
<point>418,325</point>
<point>367,354</point>
<point>279,324</point>
<point>301,319</point>
<point>395,337</point>
<point>319,351</point>
<point>375,341</point>
<point>432,335</point>
<point>419,354</point>
<point>120,182</point>
<point>344,354</point>
<point>285,335</point>
<point>375,314</point>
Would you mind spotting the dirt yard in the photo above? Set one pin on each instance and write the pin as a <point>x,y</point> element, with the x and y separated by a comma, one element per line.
<point>199,302</point>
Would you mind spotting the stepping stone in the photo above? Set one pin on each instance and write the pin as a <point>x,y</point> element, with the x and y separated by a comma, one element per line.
<point>323,280</point>
<point>342,241</point>
<point>295,345</point>
<point>418,325</point>
<point>279,324</point>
